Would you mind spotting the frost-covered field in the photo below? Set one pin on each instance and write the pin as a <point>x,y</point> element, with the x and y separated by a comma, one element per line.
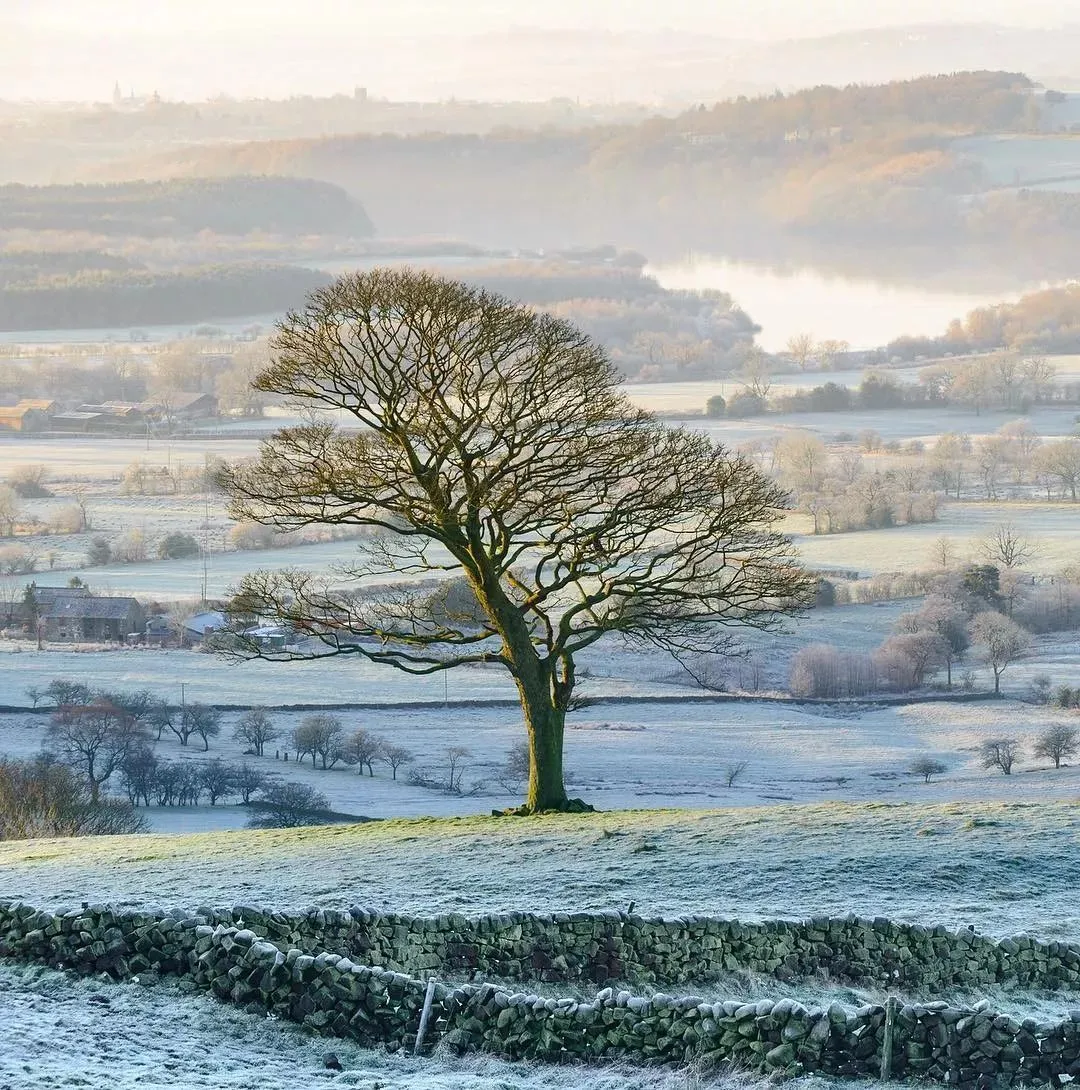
<point>1054,527</point>
<point>625,755</point>
<point>63,1031</point>
<point>1003,867</point>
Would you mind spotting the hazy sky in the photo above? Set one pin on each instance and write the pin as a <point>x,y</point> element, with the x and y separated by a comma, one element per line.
<point>76,48</point>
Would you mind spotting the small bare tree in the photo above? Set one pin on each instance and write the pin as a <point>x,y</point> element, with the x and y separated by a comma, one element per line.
<point>395,756</point>
<point>319,736</point>
<point>1000,753</point>
<point>1003,642</point>
<point>926,767</point>
<point>363,748</point>
<point>1007,546</point>
<point>1057,743</point>
<point>94,738</point>
<point>200,719</point>
<point>254,729</point>
<point>734,771</point>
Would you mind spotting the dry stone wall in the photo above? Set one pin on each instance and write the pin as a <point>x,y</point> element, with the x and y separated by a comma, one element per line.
<point>329,993</point>
<point>603,946</point>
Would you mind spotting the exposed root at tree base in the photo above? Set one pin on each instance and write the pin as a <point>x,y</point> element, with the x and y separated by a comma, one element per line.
<point>571,806</point>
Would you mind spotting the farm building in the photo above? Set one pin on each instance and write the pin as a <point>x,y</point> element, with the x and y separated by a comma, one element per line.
<point>89,617</point>
<point>181,406</point>
<point>28,415</point>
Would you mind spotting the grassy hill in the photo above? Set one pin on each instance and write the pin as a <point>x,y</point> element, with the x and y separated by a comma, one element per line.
<point>1001,867</point>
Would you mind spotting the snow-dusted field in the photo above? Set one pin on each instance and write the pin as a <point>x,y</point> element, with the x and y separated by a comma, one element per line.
<point>63,1031</point>
<point>625,755</point>
<point>1054,527</point>
<point>1002,867</point>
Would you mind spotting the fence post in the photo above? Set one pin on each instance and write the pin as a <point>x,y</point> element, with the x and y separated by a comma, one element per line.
<point>429,995</point>
<point>891,1005</point>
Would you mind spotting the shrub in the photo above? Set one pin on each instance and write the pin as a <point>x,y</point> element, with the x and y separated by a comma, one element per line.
<point>98,553</point>
<point>130,547</point>
<point>287,805</point>
<point>178,546</point>
<point>28,482</point>
<point>42,798</point>
<point>715,407</point>
<point>1000,753</point>
<point>251,535</point>
<point>1057,743</point>
<point>67,520</point>
<point>745,404</point>
<point>926,767</point>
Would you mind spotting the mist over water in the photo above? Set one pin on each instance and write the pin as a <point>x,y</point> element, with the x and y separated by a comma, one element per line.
<point>789,302</point>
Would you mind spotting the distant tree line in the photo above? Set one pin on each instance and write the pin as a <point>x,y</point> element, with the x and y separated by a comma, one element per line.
<point>233,205</point>
<point>104,298</point>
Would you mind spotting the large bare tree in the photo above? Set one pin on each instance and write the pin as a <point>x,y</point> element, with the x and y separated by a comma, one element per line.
<point>492,443</point>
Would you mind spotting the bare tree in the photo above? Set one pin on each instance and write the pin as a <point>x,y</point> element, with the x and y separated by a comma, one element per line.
<point>943,552</point>
<point>363,748</point>
<point>927,767</point>
<point>800,348</point>
<point>395,756</point>
<point>1007,546</point>
<point>514,771</point>
<point>1000,753</point>
<point>319,736</point>
<point>254,729</point>
<point>734,771</point>
<point>248,780</point>
<point>93,738</point>
<point>495,443</point>
<point>455,762</point>
<point>1057,743</point>
<point>218,778</point>
<point>288,805</point>
<point>1003,642</point>
<point>66,693</point>
<point>200,719</point>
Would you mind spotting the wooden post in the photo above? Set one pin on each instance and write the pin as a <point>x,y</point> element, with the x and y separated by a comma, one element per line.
<point>891,1005</point>
<point>429,995</point>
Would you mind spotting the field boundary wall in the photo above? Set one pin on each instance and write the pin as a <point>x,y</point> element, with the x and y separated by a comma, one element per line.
<point>331,994</point>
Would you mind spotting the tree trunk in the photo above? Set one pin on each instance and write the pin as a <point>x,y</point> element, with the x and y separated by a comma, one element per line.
<point>997,682</point>
<point>545,725</point>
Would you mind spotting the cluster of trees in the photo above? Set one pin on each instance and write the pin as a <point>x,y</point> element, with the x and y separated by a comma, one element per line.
<point>149,781</point>
<point>965,612</point>
<point>233,206</point>
<point>133,297</point>
<point>1057,743</point>
<point>325,740</point>
<point>1044,321</point>
<point>44,797</point>
<point>651,333</point>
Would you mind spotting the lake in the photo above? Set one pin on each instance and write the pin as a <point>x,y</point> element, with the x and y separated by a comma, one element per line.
<point>787,302</point>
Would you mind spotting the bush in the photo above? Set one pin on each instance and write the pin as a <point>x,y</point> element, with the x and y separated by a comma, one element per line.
<point>28,482</point>
<point>251,535</point>
<point>131,547</point>
<point>716,406</point>
<point>745,404</point>
<point>178,546</point>
<point>42,798</point>
<point>67,520</point>
<point>99,553</point>
<point>926,767</point>
<point>287,805</point>
<point>1057,743</point>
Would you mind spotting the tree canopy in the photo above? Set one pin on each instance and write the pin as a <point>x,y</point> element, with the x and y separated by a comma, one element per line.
<point>493,443</point>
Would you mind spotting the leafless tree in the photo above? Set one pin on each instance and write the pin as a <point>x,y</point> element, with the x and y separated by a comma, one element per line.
<point>218,778</point>
<point>319,736</point>
<point>1003,642</point>
<point>1057,743</point>
<point>248,780</point>
<point>395,756</point>
<point>734,771</point>
<point>200,719</point>
<point>1007,546</point>
<point>254,729</point>
<point>494,443</point>
<point>93,738</point>
<point>800,348</point>
<point>455,765</point>
<point>363,748</point>
<point>1000,753</point>
<point>927,767</point>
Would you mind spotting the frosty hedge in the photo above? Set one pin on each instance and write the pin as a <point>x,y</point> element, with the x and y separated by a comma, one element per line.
<point>271,962</point>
